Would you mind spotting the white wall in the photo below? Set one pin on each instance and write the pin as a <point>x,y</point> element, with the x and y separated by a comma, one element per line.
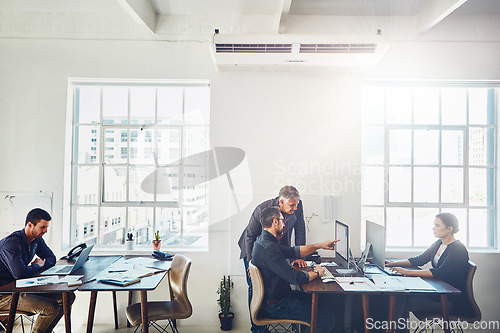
<point>289,124</point>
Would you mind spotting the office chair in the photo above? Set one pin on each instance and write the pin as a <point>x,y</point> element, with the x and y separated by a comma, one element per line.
<point>470,315</point>
<point>272,325</point>
<point>178,307</point>
<point>21,315</point>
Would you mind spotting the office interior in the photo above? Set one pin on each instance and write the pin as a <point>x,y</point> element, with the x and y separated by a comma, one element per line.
<point>297,124</point>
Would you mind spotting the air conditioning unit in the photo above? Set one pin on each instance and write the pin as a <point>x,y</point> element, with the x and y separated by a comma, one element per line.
<point>298,52</point>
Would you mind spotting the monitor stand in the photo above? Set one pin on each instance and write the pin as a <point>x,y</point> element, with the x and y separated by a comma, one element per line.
<point>348,270</point>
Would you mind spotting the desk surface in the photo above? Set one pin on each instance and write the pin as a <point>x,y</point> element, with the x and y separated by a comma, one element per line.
<point>91,268</point>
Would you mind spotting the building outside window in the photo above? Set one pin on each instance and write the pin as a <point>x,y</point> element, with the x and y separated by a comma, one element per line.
<point>137,187</point>
<point>428,149</point>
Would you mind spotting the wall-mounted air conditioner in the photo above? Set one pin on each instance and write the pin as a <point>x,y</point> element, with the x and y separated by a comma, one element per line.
<point>298,52</point>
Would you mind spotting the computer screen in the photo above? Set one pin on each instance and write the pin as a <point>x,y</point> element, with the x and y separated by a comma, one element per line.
<point>375,234</point>
<point>342,246</point>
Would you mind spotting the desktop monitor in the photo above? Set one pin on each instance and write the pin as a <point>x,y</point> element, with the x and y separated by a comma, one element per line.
<point>342,246</point>
<point>375,235</point>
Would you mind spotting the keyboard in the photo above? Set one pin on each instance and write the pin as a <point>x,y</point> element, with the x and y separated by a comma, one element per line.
<point>327,275</point>
<point>63,270</point>
<point>388,271</point>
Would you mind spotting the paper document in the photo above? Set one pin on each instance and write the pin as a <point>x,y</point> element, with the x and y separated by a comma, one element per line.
<point>384,282</point>
<point>71,280</point>
<point>349,283</point>
<point>414,283</point>
<point>37,281</point>
<point>328,263</point>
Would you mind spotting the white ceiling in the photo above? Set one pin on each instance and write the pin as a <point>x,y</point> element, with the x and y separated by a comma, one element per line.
<point>197,19</point>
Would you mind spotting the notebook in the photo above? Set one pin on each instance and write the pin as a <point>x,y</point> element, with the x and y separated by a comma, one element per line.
<point>68,269</point>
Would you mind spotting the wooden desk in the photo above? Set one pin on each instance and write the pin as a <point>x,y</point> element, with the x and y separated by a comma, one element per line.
<point>93,266</point>
<point>146,284</point>
<point>317,287</point>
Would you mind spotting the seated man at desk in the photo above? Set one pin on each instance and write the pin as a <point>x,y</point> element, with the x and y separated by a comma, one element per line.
<point>16,262</point>
<point>269,256</point>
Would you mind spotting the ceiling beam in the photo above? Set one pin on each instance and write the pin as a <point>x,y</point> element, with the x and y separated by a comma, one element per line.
<point>141,11</point>
<point>434,11</point>
<point>284,16</point>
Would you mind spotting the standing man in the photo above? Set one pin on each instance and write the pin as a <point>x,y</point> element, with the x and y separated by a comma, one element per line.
<point>290,205</point>
<point>16,262</point>
<point>280,302</point>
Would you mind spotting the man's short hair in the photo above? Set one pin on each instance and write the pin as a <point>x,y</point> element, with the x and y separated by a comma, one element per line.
<point>37,214</point>
<point>289,192</point>
<point>268,215</point>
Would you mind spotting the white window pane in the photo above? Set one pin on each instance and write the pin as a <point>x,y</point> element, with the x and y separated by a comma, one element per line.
<point>400,146</point>
<point>478,104</point>
<point>168,222</point>
<point>481,146</point>
<point>115,183</point>
<point>453,106</point>
<point>372,145</point>
<point>144,143</point>
<point>86,180</point>
<point>137,192</point>
<point>426,106</point>
<point>195,226</point>
<point>452,185</point>
<point>426,147</point>
<point>373,105</point>
<point>86,144</point>
<point>168,184</point>
<point>398,104</point>
<point>115,105</point>
<point>374,214</point>
<point>197,106</point>
<point>170,105</point>
<point>372,182</point>
<point>168,143</point>
<point>140,222</point>
<point>399,184</point>
<point>142,104</point>
<point>398,230</point>
<point>113,223</point>
<point>452,147</point>
<point>84,219</point>
<point>88,105</point>
<point>477,187</point>
<point>461,214</point>
<point>196,145</point>
<point>195,185</point>
<point>422,226</point>
<point>114,146</point>
<point>478,231</point>
<point>426,184</point>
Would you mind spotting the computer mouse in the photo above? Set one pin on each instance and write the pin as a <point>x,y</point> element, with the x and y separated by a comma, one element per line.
<point>328,280</point>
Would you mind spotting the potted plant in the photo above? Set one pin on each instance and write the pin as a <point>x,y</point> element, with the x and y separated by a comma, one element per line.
<point>157,241</point>
<point>225,316</point>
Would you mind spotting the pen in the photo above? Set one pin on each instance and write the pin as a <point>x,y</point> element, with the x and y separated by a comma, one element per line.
<point>93,279</point>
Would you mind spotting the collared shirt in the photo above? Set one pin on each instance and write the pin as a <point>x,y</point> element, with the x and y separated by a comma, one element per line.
<point>16,253</point>
<point>277,273</point>
<point>295,222</point>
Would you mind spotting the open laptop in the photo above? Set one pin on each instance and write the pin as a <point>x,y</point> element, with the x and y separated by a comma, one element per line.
<point>68,269</point>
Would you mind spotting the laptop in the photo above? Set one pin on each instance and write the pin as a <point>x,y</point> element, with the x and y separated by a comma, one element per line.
<point>68,269</point>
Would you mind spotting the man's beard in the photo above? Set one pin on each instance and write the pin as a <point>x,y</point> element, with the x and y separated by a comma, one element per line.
<point>279,232</point>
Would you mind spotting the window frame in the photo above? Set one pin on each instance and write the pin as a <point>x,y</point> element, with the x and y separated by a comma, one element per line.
<point>103,126</point>
<point>492,188</point>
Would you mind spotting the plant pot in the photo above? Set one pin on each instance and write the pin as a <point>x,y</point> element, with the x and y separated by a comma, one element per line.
<point>226,323</point>
<point>156,245</point>
<point>129,245</point>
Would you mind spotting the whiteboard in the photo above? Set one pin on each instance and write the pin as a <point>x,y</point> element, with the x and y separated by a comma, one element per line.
<point>14,206</point>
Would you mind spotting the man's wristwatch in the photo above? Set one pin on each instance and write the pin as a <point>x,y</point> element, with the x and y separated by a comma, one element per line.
<point>315,271</point>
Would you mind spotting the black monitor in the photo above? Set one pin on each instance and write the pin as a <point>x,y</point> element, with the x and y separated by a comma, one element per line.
<point>342,246</point>
<point>375,235</point>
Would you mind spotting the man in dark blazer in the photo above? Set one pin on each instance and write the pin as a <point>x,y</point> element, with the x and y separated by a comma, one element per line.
<point>290,205</point>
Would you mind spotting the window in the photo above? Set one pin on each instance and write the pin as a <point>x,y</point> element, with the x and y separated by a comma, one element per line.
<point>137,188</point>
<point>426,150</point>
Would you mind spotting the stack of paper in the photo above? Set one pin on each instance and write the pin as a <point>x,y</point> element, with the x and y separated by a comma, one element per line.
<point>349,283</point>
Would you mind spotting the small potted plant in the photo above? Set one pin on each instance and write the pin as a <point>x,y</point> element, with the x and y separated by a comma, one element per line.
<point>157,241</point>
<point>225,316</point>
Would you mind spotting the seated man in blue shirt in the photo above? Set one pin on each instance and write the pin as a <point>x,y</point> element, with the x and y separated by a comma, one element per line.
<point>16,262</point>
<point>280,302</point>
